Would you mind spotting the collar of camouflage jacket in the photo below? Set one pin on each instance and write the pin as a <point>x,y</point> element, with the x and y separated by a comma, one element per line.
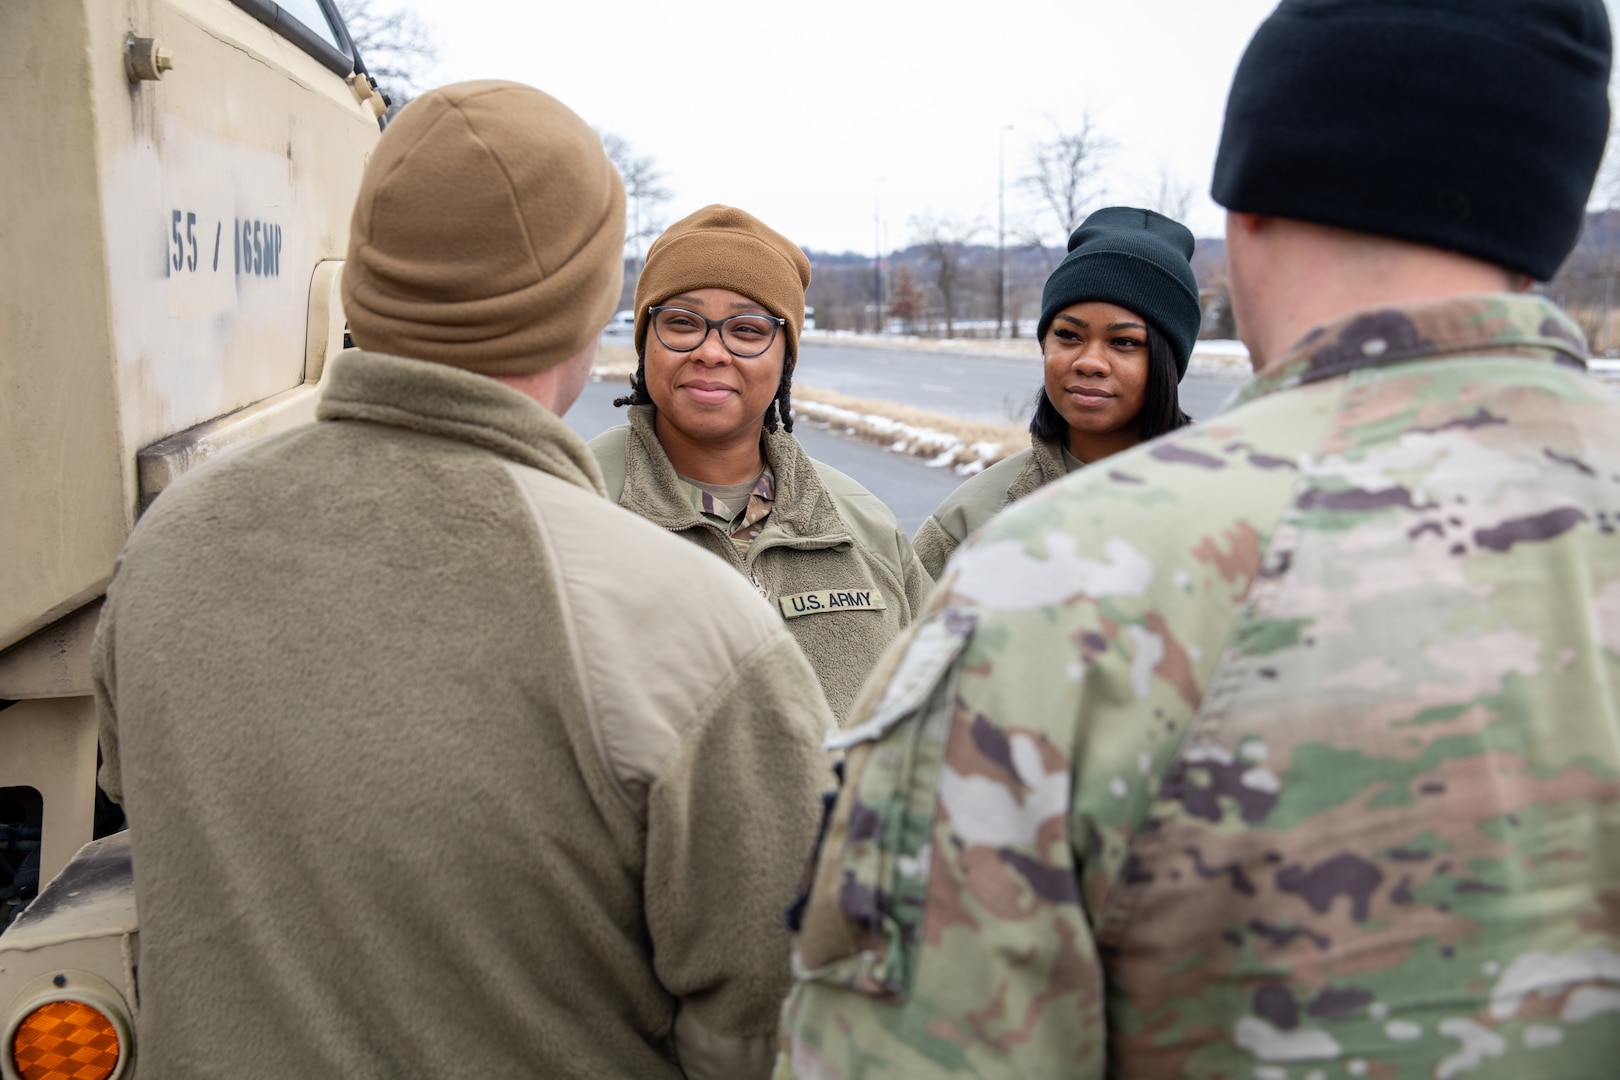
<point>803,507</point>
<point>1495,324</point>
<point>433,399</point>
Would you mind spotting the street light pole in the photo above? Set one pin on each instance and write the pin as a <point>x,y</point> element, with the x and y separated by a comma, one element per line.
<point>877,260</point>
<point>1001,227</point>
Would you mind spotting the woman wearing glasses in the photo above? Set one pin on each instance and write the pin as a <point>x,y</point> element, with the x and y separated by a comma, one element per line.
<point>1118,320</point>
<point>709,452</point>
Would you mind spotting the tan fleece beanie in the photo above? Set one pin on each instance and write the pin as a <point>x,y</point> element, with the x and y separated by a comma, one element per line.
<point>488,233</point>
<point>721,247</point>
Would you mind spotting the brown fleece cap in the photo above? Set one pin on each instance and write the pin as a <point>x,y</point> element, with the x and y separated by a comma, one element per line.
<point>721,247</point>
<point>488,233</point>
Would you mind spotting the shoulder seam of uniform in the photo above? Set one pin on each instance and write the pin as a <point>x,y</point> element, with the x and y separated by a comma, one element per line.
<point>568,621</point>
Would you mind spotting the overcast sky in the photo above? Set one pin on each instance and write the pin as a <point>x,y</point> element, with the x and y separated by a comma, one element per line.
<point>808,115</point>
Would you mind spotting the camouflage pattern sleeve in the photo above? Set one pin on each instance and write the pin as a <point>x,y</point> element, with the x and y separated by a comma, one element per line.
<point>991,791</point>
<point>1287,747</point>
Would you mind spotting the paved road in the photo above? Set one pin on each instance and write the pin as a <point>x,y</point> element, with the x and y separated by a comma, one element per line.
<point>909,487</point>
<point>973,387</point>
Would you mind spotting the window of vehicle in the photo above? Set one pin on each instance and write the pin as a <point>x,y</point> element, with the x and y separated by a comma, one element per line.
<point>312,25</point>
<point>310,14</point>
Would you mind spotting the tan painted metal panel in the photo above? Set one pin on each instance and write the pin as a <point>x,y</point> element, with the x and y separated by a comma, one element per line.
<point>160,243</point>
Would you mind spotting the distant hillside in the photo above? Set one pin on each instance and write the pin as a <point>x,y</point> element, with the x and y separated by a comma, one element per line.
<point>1208,254</point>
<point>843,292</point>
<point>845,296</point>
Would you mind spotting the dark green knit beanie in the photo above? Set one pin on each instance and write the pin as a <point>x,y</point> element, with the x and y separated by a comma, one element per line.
<point>1138,259</point>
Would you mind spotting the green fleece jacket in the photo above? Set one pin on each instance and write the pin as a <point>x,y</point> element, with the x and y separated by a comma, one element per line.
<point>439,764</point>
<point>831,558</point>
<point>982,497</point>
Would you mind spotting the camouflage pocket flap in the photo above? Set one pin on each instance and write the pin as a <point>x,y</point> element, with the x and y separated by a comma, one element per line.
<point>933,649</point>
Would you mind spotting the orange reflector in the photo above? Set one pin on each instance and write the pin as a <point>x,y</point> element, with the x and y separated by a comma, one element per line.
<point>65,1040</point>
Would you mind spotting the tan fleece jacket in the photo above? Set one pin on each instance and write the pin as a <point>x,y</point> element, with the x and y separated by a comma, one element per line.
<point>439,764</point>
<point>831,559</point>
<point>982,497</point>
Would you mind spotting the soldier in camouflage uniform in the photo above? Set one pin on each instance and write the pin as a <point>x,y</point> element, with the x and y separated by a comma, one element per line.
<point>1287,746</point>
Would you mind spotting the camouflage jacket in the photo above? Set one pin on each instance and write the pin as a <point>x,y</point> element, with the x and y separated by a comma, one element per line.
<point>1287,746</point>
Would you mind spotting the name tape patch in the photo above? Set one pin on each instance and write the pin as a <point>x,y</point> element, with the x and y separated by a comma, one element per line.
<point>810,603</point>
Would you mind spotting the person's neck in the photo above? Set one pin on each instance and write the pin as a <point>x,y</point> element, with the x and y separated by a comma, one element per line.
<point>733,461</point>
<point>1089,447</point>
<point>556,388</point>
<point>1311,275</point>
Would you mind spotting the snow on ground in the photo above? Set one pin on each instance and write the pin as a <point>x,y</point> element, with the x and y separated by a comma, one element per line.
<point>941,448</point>
<point>1221,359</point>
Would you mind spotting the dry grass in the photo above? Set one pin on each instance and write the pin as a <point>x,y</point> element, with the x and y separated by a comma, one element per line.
<point>614,361</point>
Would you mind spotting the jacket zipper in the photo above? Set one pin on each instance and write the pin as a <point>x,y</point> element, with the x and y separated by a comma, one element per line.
<point>744,567</point>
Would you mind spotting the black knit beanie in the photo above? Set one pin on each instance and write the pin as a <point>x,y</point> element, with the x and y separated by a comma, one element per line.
<point>1138,259</point>
<point>1470,125</point>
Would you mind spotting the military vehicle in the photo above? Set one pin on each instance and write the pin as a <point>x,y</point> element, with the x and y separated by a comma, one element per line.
<point>178,177</point>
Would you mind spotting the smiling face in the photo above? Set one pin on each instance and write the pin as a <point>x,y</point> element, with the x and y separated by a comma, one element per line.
<point>1096,369</point>
<point>711,402</point>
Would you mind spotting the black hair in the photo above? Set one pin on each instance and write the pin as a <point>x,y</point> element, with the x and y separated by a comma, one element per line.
<point>780,410</point>
<point>1161,405</point>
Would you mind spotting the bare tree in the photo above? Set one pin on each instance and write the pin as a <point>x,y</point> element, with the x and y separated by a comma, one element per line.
<point>643,190</point>
<point>1606,186</point>
<point>1216,299</point>
<point>1170,197</point>
<point>398,47</point>
<point>906,301</point>
<point>944,241</point>
<point>1063,179</point>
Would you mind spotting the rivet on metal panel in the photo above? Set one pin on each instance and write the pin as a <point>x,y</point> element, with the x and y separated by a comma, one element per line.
<point>145,59</point>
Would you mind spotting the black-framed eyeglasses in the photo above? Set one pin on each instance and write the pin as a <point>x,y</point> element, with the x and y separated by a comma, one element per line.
<point>680,330</point>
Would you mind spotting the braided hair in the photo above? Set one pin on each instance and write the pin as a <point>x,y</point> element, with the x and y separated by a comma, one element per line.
<point>780,411</point>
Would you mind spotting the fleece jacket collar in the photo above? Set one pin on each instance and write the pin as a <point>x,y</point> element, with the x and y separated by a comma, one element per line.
<point>453,404</point>
<point>803,513</point>
<point>1044,466</point>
